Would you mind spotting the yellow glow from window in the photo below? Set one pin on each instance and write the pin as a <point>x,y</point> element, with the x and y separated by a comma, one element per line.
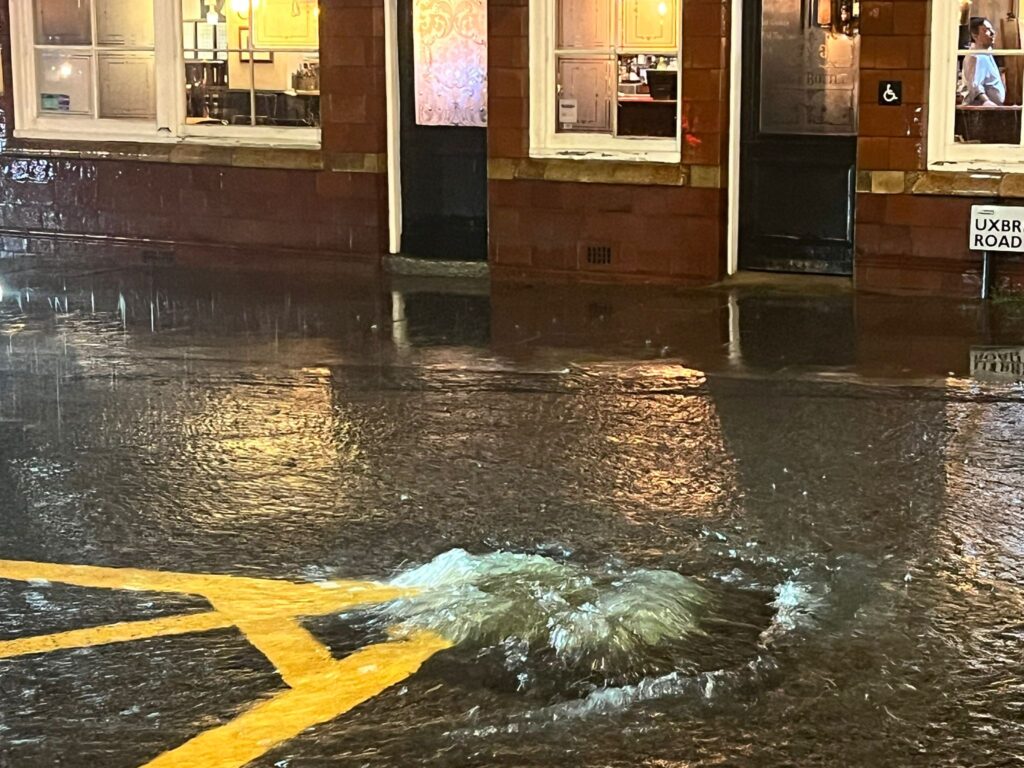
<point>241,7</point>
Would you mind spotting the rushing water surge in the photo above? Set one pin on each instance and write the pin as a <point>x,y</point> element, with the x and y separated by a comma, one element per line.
<point>602,638</point>
<point>611,620</point>
<point>663,530</point>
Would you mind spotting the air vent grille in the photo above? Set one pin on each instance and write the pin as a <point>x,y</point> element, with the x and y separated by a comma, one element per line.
<point>599,254</point>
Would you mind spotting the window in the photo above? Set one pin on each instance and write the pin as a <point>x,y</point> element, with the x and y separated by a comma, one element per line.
<point>153,70</point>
<point>976,88</point>
<point>605,79</point>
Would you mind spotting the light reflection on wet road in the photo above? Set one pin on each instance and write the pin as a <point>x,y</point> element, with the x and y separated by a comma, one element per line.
<point>822,466</point>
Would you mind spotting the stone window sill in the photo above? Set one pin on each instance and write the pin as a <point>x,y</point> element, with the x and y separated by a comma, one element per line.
<point>948,183</point>
<point>188,153</point>
<point>605,172</point>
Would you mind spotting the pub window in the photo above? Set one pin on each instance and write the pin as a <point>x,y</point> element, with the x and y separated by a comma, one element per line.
<point>605,78</point>
<point>251,63</point>
<point>95,59</point>
<point>246,70</point>
<point>977,85</point>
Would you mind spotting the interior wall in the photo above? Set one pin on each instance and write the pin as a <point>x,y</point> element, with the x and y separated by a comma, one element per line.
<point>277,74</point>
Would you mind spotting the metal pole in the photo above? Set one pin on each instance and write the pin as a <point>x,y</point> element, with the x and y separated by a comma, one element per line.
<point>986,274</point>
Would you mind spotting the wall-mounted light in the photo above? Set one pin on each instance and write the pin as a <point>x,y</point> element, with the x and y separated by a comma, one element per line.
<point>965,12</point>
<point>824,15</point>
<point>241,7</point>
<point>840,17</point>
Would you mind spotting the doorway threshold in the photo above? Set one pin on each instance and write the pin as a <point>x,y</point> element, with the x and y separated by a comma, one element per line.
<point>400,264</point>
<point>788,282</point>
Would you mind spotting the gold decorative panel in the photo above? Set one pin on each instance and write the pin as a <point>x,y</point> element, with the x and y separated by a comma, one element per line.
<point>649,24</point>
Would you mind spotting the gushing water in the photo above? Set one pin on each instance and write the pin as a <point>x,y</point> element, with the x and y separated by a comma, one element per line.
<point>608,619</point>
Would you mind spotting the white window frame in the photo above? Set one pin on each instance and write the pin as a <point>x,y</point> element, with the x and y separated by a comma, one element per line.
<point>169,127</point>
<point>546,142</point>
<point>944,154</point>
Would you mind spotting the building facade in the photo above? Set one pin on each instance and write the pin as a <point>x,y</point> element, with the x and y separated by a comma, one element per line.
<point>604,140</point>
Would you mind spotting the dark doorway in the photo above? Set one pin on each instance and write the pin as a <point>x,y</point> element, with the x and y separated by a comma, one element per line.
<point>798,140</point>
<point>444,173</point>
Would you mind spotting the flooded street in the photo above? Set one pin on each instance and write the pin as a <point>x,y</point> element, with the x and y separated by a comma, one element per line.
<point>650,527</point>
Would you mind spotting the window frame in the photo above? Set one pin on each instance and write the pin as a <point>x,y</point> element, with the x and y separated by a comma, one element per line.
<point>169,125</point>
<point>545,141</point>
<point>944,154</point>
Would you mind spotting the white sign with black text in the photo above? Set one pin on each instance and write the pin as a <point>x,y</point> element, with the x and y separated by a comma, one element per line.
<point>997,228</point>
<point>567,111</point>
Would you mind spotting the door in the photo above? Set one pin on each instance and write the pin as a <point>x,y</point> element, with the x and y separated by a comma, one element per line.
<point>442,69</point>
<point>799,136</point>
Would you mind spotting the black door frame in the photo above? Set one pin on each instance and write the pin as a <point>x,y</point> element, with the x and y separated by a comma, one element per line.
<point>745,42</point>
<point>398,94</point>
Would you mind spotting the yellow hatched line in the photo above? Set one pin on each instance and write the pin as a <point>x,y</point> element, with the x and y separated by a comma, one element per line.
<point>339,688</point>
<point>267,612</point>
<point>114,633</point>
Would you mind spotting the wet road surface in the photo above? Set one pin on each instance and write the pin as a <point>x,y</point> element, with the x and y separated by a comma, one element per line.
<point>657,527</point>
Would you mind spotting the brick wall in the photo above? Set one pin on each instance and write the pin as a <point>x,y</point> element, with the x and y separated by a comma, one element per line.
<point>657,230</point>
<point>911,223</point>
<point>206,201</point>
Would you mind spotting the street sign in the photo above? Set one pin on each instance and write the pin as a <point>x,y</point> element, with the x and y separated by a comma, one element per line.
<point>998,363</point>
<point>997,228</point>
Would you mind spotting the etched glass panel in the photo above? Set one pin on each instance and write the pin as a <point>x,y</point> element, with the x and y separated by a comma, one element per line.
<point>126,23</point>
<point>584,24</point>
<point>809,74</point>
<point>584,94</point>
<point>63,22</point>
<point>127,85</point>
<point>64,79</point>
<point>450,62</point>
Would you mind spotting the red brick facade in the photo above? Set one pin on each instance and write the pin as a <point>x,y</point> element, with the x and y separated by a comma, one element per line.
<point>909,236</point>
<point>658,222</point>
<point>214,202</point>
<point>655,230</point>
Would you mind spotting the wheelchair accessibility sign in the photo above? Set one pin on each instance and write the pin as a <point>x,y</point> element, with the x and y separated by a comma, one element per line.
<point>890,93</point>
<point>268,612</point>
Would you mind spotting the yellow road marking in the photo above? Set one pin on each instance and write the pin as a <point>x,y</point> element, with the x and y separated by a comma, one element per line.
<point>267,612</point>
<point>114,633</point>
<point>339,688</point>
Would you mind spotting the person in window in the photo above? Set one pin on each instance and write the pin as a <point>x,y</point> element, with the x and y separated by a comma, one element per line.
<point>982,82</point>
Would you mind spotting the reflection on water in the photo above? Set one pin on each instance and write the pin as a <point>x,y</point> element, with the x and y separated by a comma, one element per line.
<point>666,527</point>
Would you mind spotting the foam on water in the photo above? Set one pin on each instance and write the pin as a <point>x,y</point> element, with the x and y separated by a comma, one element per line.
<point>607,618</point>
<point>636,634</point>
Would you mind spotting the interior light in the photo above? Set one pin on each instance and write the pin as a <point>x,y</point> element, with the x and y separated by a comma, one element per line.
<point>662,9</point>
<point>212,17</point>
<point>241,7</point>
<point>965,12</point>
<point>824,13</point>
<point>65,69</point>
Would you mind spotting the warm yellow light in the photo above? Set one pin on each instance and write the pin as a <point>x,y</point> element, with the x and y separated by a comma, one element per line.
<point>241,7</point>
<point>965,11</point>
<point>662,9</point>
<point>65,70</point>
